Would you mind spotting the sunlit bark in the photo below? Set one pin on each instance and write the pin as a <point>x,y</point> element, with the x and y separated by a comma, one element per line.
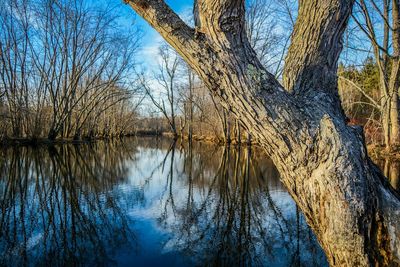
<point>323,162</point>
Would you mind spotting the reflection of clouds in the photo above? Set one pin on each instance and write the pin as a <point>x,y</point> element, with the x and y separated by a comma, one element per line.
<point>185,195</point>
<point>30,244</point>
<point>58,207</point>
<point>201,203</point>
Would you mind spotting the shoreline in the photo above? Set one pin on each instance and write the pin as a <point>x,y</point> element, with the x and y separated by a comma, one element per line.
<point>374,150</point>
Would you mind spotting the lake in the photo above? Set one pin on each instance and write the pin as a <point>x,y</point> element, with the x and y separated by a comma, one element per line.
<point>148,202</point>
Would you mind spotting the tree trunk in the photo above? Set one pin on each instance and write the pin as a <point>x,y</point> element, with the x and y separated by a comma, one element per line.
<point>391,171</point>
<point>238,133</point>
<point>394,117</point>
<point>390,112</point>
<point>52,134</point>
<point>191,87</point>
<point>322,161</point>
<point>385,119</point>
<point>395,76</point>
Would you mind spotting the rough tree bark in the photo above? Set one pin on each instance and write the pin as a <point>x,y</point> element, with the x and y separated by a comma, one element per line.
<point>322,161</point>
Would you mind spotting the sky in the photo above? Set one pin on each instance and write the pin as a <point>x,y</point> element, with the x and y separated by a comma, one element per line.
<point>151,40</point>
<point>148,53</point>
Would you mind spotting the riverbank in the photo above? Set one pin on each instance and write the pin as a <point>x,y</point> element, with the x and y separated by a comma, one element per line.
<point>374,150</point>
<point>41,141</point>
<point>10,141</point>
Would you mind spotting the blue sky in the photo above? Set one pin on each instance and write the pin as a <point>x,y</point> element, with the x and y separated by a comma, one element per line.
<point>148,54</point>
<point>151,39</point>
<point>179,6</point>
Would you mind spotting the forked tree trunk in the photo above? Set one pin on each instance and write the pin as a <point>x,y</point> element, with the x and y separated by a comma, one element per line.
<point>322,161</point>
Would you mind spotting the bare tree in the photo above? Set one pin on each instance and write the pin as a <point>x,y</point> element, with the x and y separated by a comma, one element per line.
<point>187,96</point>
<point>86,61</point>
<point>267,35</point>
<point>166,79</point>
<point>379,20</point>
<point>15,70</point>
<point>62,63</point>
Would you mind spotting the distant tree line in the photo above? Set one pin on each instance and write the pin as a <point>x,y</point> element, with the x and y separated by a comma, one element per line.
<point>67,70</point>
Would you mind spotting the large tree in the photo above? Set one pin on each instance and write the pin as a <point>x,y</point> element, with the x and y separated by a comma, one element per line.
<point>322,161</point>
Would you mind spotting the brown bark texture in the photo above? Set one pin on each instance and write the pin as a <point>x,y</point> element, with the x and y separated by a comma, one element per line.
<point>322,161</point>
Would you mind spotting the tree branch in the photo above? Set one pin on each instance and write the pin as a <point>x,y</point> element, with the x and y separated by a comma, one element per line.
<point>171,27</point>
<point>311,63</point>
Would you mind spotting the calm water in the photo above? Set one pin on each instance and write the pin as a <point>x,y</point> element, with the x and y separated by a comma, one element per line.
<point>144,202</point>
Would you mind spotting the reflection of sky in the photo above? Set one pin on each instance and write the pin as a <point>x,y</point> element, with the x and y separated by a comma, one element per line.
<point>128,212</point>
<point>160,226</point>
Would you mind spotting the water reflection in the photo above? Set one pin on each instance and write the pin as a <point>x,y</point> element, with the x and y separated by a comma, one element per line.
<point>57,206</point>
<point>148,202</point>
<point>236,214</point>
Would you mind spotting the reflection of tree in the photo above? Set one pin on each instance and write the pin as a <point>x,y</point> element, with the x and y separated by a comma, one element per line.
<point>68,205</point>
<point>231,216</point>
<point>58,205</point>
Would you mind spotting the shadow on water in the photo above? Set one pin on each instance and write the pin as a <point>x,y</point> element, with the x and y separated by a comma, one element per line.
<point>148,202</point>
